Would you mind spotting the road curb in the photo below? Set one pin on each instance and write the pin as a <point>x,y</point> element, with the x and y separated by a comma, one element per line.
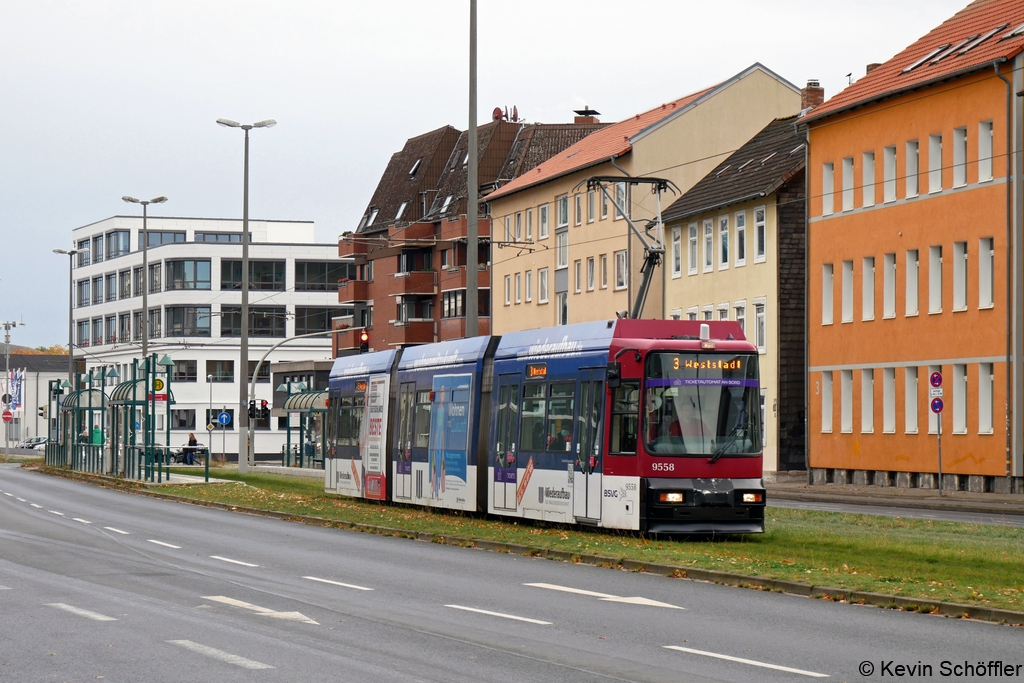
<point>907,604</point>
<point>846,499</point>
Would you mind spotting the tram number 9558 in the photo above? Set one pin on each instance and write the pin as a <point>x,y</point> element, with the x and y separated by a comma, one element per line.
<point>663,466</point>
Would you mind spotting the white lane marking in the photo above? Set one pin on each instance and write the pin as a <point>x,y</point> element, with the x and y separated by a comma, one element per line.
<point>83,521</point>
<point>262,611</point>
<point>21,499</point>
<point>166,545</point>
<point>636,600</point>
<point>54,512</point>
<point>338,583</point>
<point>9,494</point>
<point>81,612</point>
<point>220,654</point>
<point>499,614</point>
<point>116,531</point>
<point>228,559</point>
<point>751,662</point>
<point>4,588</point>
<point>40,507</point>
<point>567,589</point>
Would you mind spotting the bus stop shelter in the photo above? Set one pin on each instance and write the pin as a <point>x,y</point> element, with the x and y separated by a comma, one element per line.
<point>311,407</point>
<point>84,428</point>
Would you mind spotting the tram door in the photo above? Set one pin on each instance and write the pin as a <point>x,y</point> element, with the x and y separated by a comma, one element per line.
<point>586,481</point>
<point>504,464</point>
<point>403,446</point>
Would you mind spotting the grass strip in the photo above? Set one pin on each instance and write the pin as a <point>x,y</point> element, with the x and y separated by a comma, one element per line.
<point>971,564</point>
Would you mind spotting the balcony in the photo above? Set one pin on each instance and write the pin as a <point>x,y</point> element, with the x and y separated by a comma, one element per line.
<point>455,328</point>
<point>456,230</point>
<point>455,278</point>
<point>411,332</point>
<point>350,291</point>
<point>353,248</point>
<point>413,233</point>
<point>416,282</point>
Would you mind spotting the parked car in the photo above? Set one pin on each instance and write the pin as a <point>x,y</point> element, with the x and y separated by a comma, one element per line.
<point>178,454</point>
<point>36,442</point>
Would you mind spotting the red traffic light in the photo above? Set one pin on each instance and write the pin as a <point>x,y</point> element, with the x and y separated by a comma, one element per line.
<point>364,337</point>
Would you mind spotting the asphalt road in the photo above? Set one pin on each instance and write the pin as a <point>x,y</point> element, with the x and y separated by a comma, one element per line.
<point>909,513</point>
<point>98,584</point>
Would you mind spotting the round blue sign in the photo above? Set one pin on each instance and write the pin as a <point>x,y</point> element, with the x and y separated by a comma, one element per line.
<point>224,418</point>
<point>936,379</point>
<point>936,405</point>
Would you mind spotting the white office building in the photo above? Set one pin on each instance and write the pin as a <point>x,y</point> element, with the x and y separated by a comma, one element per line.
<point>194,317</point>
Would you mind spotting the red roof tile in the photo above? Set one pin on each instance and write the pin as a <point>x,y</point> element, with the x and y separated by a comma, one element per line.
<point>597,147</point>
<point>976,20</point>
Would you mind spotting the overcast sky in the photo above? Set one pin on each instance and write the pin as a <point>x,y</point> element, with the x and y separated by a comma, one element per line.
<point>102,98</point>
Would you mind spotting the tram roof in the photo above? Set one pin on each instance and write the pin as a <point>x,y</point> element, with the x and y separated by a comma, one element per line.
<point>363,364</point>
<point>564,340</point>
<point>454,352</point>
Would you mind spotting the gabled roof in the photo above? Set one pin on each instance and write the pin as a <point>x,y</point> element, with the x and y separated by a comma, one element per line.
<point>399,184</point>
<point>756,169</point>
<point>538,142</point>
<point>617,139</point>
<point>984,32</point>
<point>493,141</point>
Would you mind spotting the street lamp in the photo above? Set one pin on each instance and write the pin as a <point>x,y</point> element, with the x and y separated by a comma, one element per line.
<point>70,253</point>
<point>145,267</point>
<point>243,370</point>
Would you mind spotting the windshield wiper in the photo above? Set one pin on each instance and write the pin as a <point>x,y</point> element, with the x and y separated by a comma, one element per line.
<point>729,441</point>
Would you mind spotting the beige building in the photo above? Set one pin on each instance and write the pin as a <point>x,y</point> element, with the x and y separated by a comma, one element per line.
<point>563,254</point>
<point>736,251</point>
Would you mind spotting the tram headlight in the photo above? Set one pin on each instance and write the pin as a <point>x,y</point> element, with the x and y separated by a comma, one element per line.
<point>753,497</point>
<point>670,497</point>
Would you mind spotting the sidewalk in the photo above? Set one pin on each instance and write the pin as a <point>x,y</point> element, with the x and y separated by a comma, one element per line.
<point>796,488</point>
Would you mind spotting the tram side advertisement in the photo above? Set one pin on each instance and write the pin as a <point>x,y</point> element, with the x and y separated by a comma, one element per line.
<point>452,483</point>
<point>375,441</point>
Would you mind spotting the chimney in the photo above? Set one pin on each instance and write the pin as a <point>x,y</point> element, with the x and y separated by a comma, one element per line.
<point>586,115</point>
<point>812,95</point>
<point>872,66</point>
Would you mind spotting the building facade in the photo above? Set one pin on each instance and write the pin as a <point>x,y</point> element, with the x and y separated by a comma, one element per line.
<point>410,247</point>
<point>569,255</point>
<point>915,195</point>
<point>194,312</point>
<point>736,252</point>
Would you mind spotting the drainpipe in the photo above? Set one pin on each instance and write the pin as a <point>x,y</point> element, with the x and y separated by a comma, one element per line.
<point>1010,362</point>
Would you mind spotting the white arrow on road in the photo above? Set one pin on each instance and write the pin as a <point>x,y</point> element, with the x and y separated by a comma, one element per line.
<point>604,596</point>
<point>262,611</point>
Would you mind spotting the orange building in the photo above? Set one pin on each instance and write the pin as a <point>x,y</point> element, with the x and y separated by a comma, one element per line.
<point>910,216</point>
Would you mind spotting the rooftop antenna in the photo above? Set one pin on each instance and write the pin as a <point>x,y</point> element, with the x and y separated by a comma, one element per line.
<point>849,78</point>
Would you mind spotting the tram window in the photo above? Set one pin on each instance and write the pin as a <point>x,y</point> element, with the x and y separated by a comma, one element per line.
<point>560,407</point>
<point>625,418</point>
<point>532,436</point>
<point>345,435</point>
<point>421,422</point>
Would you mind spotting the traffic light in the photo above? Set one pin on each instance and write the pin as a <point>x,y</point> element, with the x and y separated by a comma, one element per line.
<point>252,410</point>
<point>364,342</point>
<point>264,410</point>
<point>43,411</point>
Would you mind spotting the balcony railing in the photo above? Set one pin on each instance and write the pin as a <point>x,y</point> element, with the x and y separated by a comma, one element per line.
<point>353,290</point>
<point>416,282</point>
<point>352,248</point>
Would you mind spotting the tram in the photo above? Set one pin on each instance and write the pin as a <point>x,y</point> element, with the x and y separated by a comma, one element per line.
<point>645,425</point>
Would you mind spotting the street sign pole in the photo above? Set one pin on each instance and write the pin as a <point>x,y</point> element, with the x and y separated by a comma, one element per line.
<point>935,393</point>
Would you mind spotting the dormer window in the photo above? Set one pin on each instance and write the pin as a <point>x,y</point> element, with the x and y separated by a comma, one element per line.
<point>415,167</point>
<point>401,210</point>
<point>465,160</point>
<point>447,201</point>
<point>372,218</point>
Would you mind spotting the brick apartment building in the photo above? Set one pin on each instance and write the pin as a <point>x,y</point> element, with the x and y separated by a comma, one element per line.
<point>409,248</point>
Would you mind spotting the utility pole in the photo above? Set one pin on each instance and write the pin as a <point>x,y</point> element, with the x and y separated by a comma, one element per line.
<point>473,187</point>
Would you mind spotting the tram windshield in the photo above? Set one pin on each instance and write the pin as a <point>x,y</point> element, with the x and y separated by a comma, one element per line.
<point>702,404</point>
